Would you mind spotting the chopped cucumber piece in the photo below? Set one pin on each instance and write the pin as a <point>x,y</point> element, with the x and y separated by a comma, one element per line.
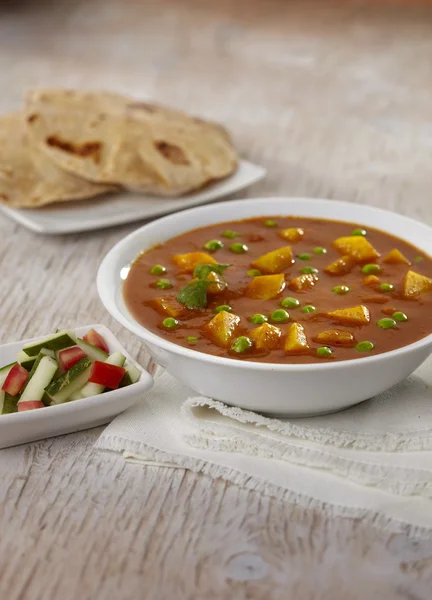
<point>92,351</point>
<point>38,380</point>
<point>93,389</point>
<point>75,396</point>
<point>36,363</point>
<point>8,403</point>
<point>61,388</point>
<point>131,376</point>
<point>58,341</point>
<point>26,361</point>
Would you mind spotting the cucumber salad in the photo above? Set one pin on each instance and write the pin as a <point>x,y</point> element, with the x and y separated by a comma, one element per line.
<point>60,368</point>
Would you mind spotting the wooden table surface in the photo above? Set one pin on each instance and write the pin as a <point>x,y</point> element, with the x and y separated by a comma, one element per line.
<point>336,101</point>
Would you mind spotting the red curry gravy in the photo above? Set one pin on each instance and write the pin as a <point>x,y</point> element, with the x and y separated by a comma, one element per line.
<point>406,275</point>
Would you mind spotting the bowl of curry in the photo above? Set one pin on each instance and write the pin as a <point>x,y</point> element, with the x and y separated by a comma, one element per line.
<point>286,306</point>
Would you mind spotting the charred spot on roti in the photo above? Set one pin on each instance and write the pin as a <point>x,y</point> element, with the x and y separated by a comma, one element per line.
<point>84,150</point>
<point>172,153</point>
<point>32,117</point>
<point>143,106</point>
<point>3,196</point>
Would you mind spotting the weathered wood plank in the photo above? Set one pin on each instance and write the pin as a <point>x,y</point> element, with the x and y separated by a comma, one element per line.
<point>336,100</point>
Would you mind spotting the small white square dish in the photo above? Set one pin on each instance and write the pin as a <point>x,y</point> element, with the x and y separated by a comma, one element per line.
<point>21,427</point>
<point>124,207</point>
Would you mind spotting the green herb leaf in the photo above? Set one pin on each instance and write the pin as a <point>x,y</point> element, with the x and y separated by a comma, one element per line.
<point>202,271</point>
<point>194,294</point>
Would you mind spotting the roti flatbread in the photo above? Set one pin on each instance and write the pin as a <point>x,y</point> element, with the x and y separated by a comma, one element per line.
<point>108,138</point>
<point>29,180</point>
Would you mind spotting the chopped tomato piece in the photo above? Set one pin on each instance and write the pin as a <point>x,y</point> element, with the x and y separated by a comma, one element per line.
<point>15,380</point>
<point>107,375</point>
<point>70,356</point>
<point>30,405</point>
<point>95,339</point>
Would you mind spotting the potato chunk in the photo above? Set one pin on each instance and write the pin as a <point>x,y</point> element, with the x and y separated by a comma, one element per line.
<point>274,261</point>
<point>341,266</point>
<point>188,262</point>
<point>371,280</point>
<point>415,284</point>
<point>265,287</point>
<point>395,257</point>
<point>357,247</point>
<point>168,306</point>
<point>356,315</point>
<point>222,328</point>
<point>296,341</point>
<point>265,337</point>
<point>303,282</point>
<point>336,337</point>
<point>218,287</point>
<point>292,234</point>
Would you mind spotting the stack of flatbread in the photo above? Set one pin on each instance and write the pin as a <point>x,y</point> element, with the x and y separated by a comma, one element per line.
<point>70,145</point>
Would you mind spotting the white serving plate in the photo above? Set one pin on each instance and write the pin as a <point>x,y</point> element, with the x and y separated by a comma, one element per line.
<point>126,207</point>
<point>279,389</point>
<point>28,426</point>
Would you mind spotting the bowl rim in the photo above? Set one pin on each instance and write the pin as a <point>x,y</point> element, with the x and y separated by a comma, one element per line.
<point>107,296</point>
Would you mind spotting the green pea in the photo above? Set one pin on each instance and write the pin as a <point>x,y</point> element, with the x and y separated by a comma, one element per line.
<point>238,248</point>
<point>370,269</point>
<point>324,351</point>
<point>270,223</point>
<point>253,273</point>
<point>419,259</point>
<point>164,284</point>
<point>319,250</point>
<point>191,338</point>
<point>170,323</point>
<point>229,233</point>
<point>290,302</point>
<point>308,308</point>
<point>279,316</point>
<point>158,270</point>
<point>213,245</point>
<point>365,346</point>
<point>309,271</point>
<point>223,307</point>
<point>340,289</point>
<point>304,256</point>
<point>399,316</point>
<point>241,344</point>
<point>258,319</point>
<point>359,231</point>
<point>386,323</point>
<point>386,287</point>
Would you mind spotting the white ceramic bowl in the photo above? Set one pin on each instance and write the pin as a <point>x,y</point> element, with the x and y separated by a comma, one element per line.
<point>279,389</point>
<point>31,425</point>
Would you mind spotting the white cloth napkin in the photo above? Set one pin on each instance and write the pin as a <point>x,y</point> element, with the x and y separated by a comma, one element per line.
<point>372,460</point>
